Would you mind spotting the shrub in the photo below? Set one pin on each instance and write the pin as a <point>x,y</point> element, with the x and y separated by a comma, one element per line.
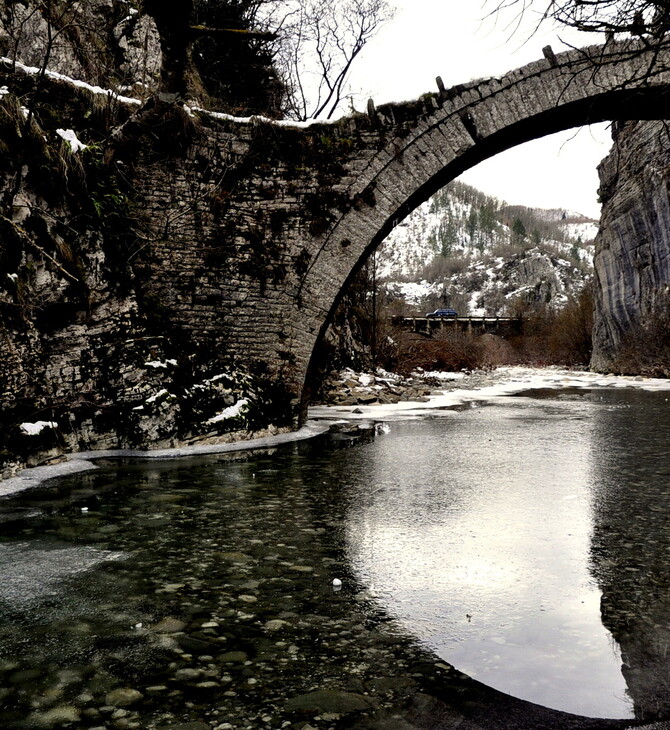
<point>443,267</point>
<point>449,351</point>
<point>555,337</point>
<point>645,350</point>
<point>496,351</point>
<point>570,337</point>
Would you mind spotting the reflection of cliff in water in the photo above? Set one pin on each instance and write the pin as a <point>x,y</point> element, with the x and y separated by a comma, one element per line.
<point>630,551</point>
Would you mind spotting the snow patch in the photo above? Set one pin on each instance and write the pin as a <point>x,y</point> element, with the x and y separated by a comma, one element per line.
<point>220,376</point>
<point>414,292</point>
<point>231,412</point>
<point>159,363</point>
<point>69,136</point>
<point>261,119</point>
<point>32,70</point>
<point>32,429</point>
<point>440,375</point>
<point>162,392</point>
<point>514,381</point>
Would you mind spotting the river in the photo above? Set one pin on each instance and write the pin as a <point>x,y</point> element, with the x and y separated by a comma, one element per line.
<point>522,541</point>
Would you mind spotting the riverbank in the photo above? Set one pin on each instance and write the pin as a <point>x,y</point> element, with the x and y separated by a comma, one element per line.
<point>385,396</point>
<point>81,461</point>
<point>358,397</point>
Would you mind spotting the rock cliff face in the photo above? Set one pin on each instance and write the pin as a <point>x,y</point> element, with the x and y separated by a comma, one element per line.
<point>105,42</point>
<point>632,258</point>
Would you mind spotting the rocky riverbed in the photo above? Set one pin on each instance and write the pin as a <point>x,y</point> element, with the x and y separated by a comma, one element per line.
<point>212,607</point>
<point>349,388</point>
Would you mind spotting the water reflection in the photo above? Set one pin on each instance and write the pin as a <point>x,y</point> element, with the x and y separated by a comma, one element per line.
<point>478,537</point>
<point>207,587</point>
<point>630,552</point>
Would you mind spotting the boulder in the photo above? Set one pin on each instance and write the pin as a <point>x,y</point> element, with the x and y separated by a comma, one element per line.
<point>328,700</point>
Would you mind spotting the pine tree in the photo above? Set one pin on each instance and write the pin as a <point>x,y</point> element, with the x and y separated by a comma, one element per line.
<point>518,232</point>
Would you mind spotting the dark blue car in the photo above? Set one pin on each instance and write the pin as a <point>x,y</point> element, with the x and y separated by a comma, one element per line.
<point>443,313</point>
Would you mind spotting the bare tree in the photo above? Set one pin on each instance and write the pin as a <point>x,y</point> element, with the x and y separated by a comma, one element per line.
<point>314,44</point>
<point>642,24</point>
<point>635,17</point>
<point>320,40</point>
<point>233,53</point>
<point>173,21</point>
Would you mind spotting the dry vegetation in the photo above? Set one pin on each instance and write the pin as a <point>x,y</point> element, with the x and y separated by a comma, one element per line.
<point>547,337</point>
<point>646,348</point>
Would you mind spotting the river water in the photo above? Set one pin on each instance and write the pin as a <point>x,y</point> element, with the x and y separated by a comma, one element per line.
<point>524,542</point>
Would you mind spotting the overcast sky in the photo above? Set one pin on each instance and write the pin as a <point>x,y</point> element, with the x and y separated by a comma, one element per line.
<point>456,40</point>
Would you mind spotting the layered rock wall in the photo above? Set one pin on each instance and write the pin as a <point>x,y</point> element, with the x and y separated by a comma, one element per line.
<point>632,258</point>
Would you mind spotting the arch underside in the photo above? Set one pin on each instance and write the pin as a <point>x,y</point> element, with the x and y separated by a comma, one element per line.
<point>635,105</point>
<point>621,104</point>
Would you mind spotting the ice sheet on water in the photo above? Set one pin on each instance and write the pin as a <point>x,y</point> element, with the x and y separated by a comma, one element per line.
<point>30,572</point>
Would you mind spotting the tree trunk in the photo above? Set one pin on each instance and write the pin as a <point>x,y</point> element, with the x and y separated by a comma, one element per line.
<point>173,19</point>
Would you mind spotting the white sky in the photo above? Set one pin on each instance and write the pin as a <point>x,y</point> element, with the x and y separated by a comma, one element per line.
<point>456,40</point>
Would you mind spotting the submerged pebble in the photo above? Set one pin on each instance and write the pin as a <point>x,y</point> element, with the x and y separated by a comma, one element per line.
<point>123,696</point>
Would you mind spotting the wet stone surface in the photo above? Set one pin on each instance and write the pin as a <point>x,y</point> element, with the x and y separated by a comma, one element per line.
<point>196,596</point>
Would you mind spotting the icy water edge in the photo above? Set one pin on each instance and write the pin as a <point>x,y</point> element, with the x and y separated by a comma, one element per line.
<point>523,543</point>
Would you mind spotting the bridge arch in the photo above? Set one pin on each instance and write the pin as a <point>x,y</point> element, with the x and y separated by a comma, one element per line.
<point>430,142</point>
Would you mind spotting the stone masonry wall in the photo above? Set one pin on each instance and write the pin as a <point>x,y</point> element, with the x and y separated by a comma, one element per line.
<point>275,219</point>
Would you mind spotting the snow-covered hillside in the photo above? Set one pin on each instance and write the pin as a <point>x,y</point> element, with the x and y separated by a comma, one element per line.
<point>574,225</point>
<point>466,250</point>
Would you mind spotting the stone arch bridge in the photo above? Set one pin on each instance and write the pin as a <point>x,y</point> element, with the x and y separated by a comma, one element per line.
<point>275,219</point>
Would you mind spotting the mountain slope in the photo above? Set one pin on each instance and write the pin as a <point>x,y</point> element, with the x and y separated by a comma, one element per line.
<point>467,250</point>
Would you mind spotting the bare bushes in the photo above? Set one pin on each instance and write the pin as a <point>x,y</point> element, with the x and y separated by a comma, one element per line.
<point>551,337</point>
<point>443,267</point>
<point>645,350</point>
<point>452,351</point>
<point>570,340</point>
<point>507,250</point>
<point>496,351</point>
<point>446,351</point>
